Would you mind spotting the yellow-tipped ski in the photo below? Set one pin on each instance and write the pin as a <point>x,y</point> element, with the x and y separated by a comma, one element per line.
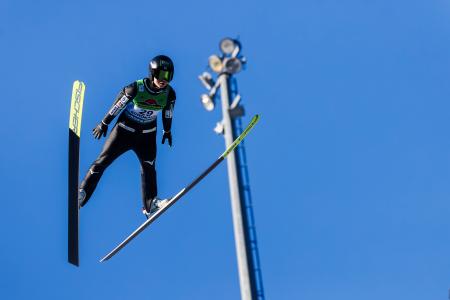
<point>76,107</point>
<point>237,141</point>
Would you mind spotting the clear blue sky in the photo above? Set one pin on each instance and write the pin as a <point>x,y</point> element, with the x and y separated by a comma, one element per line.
<point>349,165</point>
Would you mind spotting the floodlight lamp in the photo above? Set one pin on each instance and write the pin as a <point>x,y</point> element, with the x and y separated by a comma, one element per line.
<point>207,102</point>
<point>237,49</point>
<point>227,46</point>
<point>215,63</point>
<point>220,128</point>
<point>207,80</point>
<point>232,65</point>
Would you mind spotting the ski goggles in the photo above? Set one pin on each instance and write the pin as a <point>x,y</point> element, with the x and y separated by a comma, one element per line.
<point>163,75</point>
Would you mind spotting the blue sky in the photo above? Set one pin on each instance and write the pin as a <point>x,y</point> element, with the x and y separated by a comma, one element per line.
<point>349,165</point>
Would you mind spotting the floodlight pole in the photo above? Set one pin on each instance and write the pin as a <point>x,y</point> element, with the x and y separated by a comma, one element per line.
<point>247,284</point>
<point>250,277</point>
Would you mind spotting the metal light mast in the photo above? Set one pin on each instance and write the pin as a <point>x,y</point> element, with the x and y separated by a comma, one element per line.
<point>226,65</point>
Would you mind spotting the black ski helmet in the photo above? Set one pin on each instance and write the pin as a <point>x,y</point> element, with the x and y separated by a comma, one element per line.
<point>161,67</point>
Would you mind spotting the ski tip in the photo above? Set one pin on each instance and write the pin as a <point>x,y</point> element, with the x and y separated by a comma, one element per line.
<point>78,82</point>
<point>239,139</point>
<point>103,259</point>
<point>255,119</point>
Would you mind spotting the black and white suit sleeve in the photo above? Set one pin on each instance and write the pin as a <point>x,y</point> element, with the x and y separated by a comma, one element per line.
<point>167,113</point>
<point>122,99</point>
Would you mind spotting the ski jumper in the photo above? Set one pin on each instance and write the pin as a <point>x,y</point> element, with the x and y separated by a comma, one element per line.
<point>138,105</point>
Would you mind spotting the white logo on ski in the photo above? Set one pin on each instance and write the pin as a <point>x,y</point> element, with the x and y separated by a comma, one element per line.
<point>92,172</point>
<point>151,162</point>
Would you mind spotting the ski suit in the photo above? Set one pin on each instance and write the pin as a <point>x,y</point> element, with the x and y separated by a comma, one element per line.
<point>138,105</point>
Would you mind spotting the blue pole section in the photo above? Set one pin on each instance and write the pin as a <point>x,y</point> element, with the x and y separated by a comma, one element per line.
<point>248,219</point>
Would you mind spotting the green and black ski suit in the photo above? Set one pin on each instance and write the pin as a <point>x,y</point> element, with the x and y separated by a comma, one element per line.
<point>138,105</point>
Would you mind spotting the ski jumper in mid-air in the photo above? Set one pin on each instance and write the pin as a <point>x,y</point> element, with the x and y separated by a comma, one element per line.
<point>138,105</point>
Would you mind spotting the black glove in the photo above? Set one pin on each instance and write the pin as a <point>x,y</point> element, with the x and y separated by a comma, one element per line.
<point>167,135</point>
<point>100,130</point>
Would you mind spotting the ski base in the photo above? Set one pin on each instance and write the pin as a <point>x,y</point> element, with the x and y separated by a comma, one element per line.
<point>74,146</point>
<point>76,109</point>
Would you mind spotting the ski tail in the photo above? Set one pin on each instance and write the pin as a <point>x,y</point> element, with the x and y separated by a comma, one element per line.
<point>183,191</point>
<point>76,109</point>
